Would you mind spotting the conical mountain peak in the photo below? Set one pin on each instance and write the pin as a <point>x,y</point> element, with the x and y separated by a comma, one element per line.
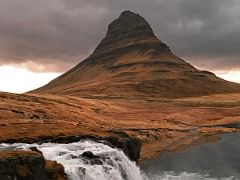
<point>128,29</point>
<point>128,13</point>
<point>130,22</point>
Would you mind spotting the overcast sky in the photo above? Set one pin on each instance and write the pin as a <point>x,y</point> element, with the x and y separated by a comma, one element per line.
<point>54,35</point>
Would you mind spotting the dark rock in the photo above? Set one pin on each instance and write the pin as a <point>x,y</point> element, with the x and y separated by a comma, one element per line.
<point>55,170</point>
<point>121,134</point>
<point>96,161</point>
<point>232,125</point>
<point>35,149</point>
<point>91,158</point>
<point>21,165</point>
<point>88,154</point>
<point>130,146</point>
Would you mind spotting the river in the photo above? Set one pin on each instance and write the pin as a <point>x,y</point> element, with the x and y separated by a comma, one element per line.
<point>210,161</point>
<point>220,160</point>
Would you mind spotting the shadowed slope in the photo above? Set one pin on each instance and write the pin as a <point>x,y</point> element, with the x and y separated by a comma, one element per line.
<point>132,62</point>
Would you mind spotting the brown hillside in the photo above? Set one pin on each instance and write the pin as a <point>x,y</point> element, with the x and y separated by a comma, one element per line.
<point>132,62</point>
<point>161,125</point>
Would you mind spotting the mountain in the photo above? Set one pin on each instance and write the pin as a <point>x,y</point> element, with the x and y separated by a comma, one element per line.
<point>132,62</point>
<point>122,80</point>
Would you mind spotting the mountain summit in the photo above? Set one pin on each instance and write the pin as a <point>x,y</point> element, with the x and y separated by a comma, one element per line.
<point>132,62</point>
<point>128,30</point>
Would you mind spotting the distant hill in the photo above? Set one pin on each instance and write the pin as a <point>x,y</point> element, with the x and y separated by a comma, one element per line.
<point>132,62</point>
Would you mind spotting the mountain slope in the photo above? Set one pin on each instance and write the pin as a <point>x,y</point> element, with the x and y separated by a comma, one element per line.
<point>132,62</point>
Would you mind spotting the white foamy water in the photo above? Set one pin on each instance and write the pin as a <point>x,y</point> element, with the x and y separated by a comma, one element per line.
<point>109,163</point>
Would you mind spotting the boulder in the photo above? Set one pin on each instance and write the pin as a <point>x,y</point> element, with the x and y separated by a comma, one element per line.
<point>131,146</point>
<point>28,165</point>
<point>88,154</point>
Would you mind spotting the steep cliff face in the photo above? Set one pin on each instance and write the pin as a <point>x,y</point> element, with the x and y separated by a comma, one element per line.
<point>132,62</point>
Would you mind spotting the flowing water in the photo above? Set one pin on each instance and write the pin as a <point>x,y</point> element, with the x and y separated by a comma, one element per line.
<point>220,160</point>
<point>109,163</point>
<point>112,164</point>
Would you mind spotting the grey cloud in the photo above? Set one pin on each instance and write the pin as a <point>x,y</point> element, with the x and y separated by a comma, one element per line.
<point>64,32</point>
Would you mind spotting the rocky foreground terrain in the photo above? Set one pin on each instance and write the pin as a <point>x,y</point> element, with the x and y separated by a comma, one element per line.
<point>132,91</point>
<point>29,165</point>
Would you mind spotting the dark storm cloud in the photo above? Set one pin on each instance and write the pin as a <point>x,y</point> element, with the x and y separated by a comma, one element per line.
<point>63,32</point>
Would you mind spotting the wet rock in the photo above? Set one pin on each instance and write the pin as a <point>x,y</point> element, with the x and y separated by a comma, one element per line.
<point>130,146</point>
<point>24,165</point>
<point>91,158</point>
<point>55,170</point>
<point>35,149</point>
<point>96,161</point>
<point>88,154</point>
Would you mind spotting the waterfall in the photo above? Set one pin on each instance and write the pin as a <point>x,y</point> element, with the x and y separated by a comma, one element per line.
<point>106,162</point>
<point>88,160</point>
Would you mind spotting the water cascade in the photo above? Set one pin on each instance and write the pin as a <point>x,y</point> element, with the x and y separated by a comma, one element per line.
<point>88,160</point>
